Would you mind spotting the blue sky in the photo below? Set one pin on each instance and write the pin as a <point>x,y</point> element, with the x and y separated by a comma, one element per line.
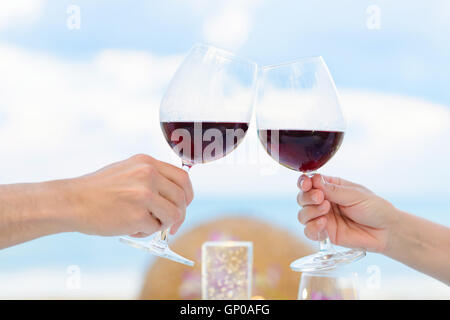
<point>99,86</point>
<point>407,55</point>
<point>72,101</point>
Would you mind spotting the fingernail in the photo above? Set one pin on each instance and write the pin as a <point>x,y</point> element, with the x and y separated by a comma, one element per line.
<point>301,183</point>
<point>323,180</point>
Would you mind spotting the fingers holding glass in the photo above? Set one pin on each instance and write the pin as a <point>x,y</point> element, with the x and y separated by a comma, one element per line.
<point>304,183</point>
<point>311,212</point>
<point>314,229</point>
<point>310,197</point>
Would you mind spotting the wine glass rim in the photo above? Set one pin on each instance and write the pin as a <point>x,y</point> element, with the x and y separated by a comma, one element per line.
<point>292,62</point>
<point>222,52</point>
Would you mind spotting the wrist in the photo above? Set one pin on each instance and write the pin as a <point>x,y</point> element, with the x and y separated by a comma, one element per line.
<point>398,220</point>
<point>58,204</point>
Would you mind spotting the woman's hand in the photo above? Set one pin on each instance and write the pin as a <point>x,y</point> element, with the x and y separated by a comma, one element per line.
<point>352,215</point>
<point>138,197</point>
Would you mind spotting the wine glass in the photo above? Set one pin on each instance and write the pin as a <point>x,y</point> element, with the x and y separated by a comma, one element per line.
<point>301,126</point>
<point>328,285</point>
<point>204,114</point>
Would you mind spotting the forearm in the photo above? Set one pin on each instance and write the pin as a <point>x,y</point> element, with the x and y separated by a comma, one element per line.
<point>32,210</point>
<point>422,245</point>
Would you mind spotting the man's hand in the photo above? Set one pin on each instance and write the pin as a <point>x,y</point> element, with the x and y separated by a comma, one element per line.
<point>138,197</point>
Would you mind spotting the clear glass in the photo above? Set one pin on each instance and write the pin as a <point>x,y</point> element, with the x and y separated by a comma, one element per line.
<point>328,285</point>
<point>301,125</point>
<point>204,114</point>
<point>227,270</point>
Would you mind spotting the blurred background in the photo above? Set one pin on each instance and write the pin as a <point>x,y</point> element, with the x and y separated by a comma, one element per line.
<point>80,86</point>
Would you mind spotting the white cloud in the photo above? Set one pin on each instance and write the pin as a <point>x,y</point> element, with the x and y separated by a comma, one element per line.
<point>62,118</point>
<point>229,28</point>
<point>59,117</point>
<point>396,144</point>
<point>136,70</point>
<point>19,12</point>
<point>226,24</point>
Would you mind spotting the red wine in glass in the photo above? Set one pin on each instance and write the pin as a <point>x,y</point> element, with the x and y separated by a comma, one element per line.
<point>301,150</point>
<point>199,138</point>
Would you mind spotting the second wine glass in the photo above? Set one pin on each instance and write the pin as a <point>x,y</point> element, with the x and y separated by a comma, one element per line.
<point>301,126</point>
<point>339,284</point>
<point>204,114</point>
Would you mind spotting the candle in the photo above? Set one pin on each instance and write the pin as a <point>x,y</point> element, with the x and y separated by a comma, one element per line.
<point>227,270</point>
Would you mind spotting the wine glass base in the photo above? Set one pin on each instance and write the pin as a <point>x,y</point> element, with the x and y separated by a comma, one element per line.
<point>326,260</point>
<point>158,248</point>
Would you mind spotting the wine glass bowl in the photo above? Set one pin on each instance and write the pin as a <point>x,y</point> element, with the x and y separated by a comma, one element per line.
<point>301,126</point>
<point>209,100</point>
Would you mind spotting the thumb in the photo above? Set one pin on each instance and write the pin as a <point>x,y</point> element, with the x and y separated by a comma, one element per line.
<point>344,195</point>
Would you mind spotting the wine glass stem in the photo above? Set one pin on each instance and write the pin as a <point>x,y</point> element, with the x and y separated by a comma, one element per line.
<point>164,234</point>
<point>324,245</point>
<point>186,166</point>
